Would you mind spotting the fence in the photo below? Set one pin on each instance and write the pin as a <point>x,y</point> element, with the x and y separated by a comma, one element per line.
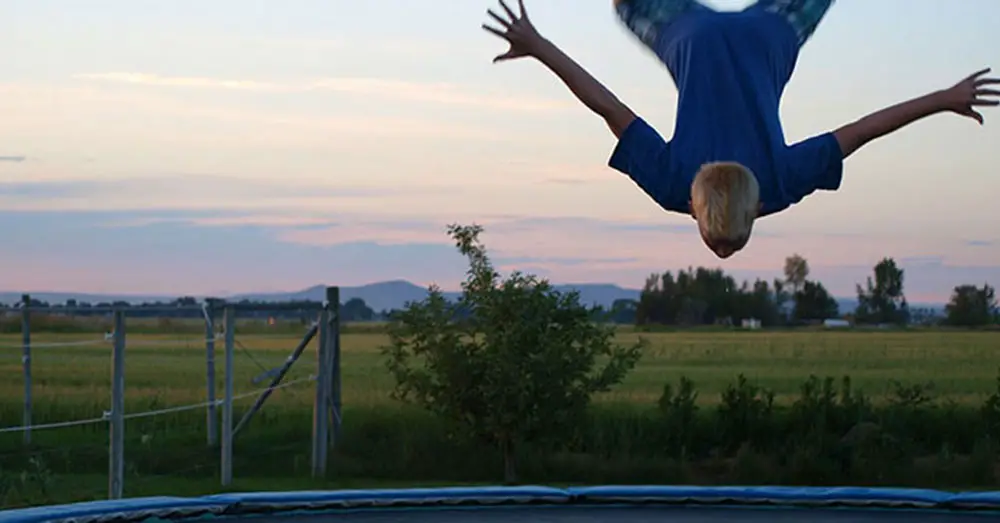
<point>327,377</point>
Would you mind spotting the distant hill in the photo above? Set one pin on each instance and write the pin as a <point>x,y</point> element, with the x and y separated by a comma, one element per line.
<point>379,296</point>
<point>390,295</point>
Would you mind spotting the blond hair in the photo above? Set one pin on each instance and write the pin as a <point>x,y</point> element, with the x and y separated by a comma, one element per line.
<point>725,198</point>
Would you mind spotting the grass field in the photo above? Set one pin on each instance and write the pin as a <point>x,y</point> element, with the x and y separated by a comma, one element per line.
<point>168,456</point>
<point>166,370</point>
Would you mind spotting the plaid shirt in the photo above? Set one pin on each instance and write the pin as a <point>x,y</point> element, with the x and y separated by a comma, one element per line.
<point>803,15</point>
<point>645,17</point>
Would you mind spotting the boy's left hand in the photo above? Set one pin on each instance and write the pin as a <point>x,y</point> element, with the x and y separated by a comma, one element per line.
<point>965,96</point>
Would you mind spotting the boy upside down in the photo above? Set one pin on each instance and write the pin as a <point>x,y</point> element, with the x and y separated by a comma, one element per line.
<point>727,163</point>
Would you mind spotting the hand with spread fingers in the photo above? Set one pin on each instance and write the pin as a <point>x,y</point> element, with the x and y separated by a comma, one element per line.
<point>972,92</point>
<point>517,30</point>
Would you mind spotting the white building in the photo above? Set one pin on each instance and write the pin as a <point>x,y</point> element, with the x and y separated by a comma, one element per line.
<point>836,324</point>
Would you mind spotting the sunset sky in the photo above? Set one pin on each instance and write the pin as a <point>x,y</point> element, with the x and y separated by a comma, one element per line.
<point>214,146</point>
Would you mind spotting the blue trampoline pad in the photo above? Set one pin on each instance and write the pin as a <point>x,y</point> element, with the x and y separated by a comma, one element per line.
<point>573,514</point>
<point>625,504</point>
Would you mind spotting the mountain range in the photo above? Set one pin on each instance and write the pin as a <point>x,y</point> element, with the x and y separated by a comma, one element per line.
<point>379,296</point>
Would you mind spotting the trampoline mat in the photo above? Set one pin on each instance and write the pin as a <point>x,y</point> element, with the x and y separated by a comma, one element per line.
<point>634,515</point>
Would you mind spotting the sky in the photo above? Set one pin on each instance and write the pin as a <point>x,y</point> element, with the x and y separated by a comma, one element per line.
<point>216,146</point>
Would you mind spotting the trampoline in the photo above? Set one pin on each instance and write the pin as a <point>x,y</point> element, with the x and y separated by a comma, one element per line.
<point>610,504</point>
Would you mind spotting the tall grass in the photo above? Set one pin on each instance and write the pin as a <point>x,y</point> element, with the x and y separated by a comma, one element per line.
<point>170,365</point>
<point>921,445</point>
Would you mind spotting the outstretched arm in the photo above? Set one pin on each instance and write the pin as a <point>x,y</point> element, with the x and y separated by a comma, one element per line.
<point>587,89</point>
<point>525,41</point>
<point>961,99</point>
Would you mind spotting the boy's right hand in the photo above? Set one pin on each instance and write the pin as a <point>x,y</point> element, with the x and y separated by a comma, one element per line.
<point>524,40</point>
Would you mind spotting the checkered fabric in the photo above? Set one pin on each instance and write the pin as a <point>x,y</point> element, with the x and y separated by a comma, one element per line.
<point>645,17</point>
<point>803,15</point>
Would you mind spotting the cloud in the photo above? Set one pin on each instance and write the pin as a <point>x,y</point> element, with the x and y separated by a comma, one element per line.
<point>514,237</point>
<point>13,159</point>
<point>205,250</point>
<point>264,220</point>
<point>567,181</point>
<point>42,190</point>
<point>640,244</point>
<point>181,191</point>
<point>188,182</point>
<point>177,81</point>
<point>922,260</point>
<point>585,225</point>
<point>310,213</point>
<point>571,247</point>
<point>439,93</point>
<point>981,243</point>
<point>573,173</point>
<point>369,229</point>
<point>520,261</point>
<point>175,257</point>
<point>94,112</point>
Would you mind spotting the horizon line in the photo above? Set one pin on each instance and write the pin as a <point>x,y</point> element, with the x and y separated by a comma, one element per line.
<point>136,295</point>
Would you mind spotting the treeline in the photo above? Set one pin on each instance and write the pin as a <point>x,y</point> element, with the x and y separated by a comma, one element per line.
<point>705,296</point>
<point>353,310</point>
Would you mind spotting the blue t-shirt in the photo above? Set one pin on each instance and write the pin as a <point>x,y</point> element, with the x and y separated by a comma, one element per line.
<point>730,69</point>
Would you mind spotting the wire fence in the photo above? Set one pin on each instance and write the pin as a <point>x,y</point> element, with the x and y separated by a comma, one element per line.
<point>130,428</point>
<point>169,410</point>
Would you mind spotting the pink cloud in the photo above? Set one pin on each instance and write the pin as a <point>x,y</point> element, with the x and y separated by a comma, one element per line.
<point>294,250</point>
<point>439,93</point>
<point>646,245</point>
<point>386,234</point>
<point>28,108</point>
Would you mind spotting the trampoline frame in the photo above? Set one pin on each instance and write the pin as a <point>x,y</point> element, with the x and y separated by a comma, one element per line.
<point>313,502</point>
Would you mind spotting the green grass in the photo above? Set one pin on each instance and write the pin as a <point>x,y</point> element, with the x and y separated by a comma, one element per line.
<point>170,369</point>
<point>167,454</point>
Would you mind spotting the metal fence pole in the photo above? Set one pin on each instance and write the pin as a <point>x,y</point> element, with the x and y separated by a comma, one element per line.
<point>227,402</point>
<point>116,461</point>
<point>26,364</point>
<point>333,297</point>
<point>321,417</point>
<point>211,415</point>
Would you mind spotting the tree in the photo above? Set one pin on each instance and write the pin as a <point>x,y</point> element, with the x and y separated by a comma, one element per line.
<point>796,272</point>
<point>623,311</point>
<point>755,301</point>
<point>883,301</point>
<point>780,300</point>
<point>186,301</point>
<point>704,296</point>
<point>814,303</point>
<point>520,367</point>
<point>355,309</point>
<point>971,306</point>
